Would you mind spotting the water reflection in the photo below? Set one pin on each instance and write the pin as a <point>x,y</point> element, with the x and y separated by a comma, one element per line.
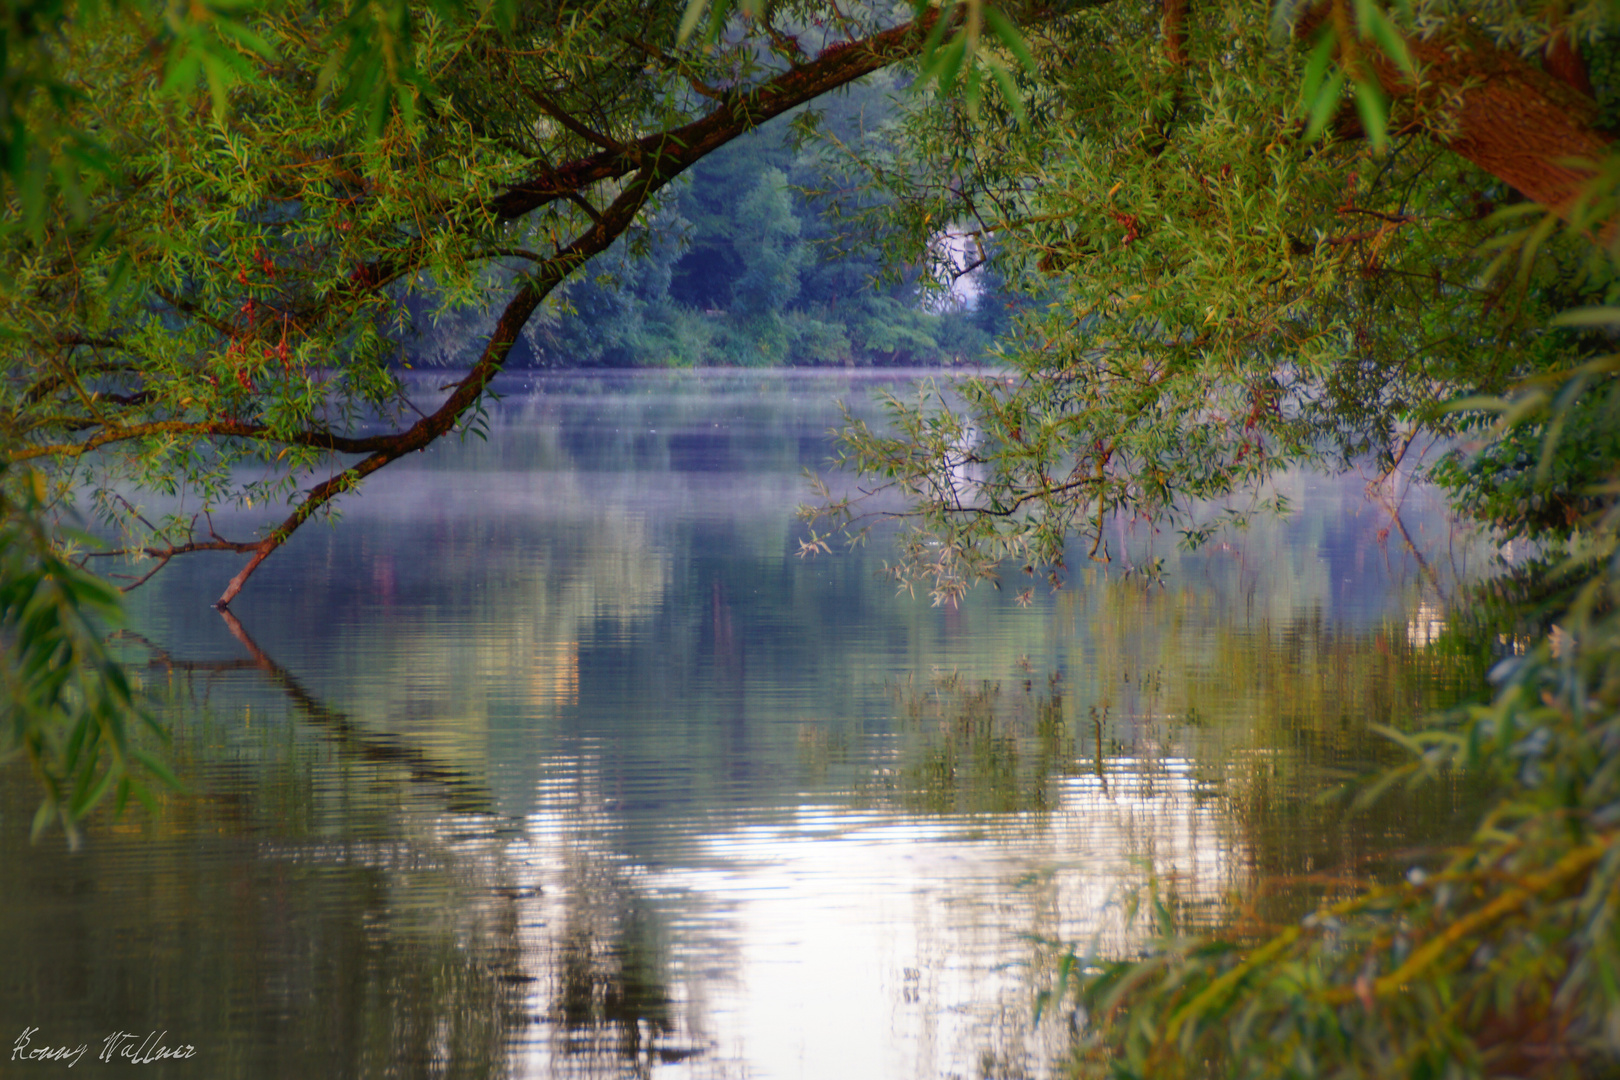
<point>277,917</point>
<point>359,894</point>
<point>553,760</point>
<point>463,792</point>
<point>972,749</point>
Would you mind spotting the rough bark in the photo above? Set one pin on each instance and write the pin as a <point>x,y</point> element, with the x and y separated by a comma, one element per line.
<point>1513,120</point>
<point>1173,24</point>
<point>1563,62</point>
<point>1534,129</point>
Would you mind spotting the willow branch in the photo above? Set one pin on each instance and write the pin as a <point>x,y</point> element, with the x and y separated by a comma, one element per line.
<point>672,63</point>
<point>562,116</point>
<point>223,429</point>
<point>470,389</point>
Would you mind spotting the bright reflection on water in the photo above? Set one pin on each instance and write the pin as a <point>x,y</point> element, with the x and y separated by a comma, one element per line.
<point>552,759</point>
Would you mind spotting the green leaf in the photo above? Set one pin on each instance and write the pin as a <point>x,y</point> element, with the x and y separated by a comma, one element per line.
<point>1377,26</point>
<point>1324,105</point>
<point>1006,31</point>
<point>42,819</point>
<point>184,68</point>
<point>1316,68</point>
<point>949,63</point>
<point>689,18</point>
<point>86,800</point>
<point>1374,110</point>
<point>971,85</point>
<point>246,37</point>
<point>157,768</point>
<point>1009,92</point>
<point>1400,738</point>
<point>1608,315</point>
<point>928,57</point>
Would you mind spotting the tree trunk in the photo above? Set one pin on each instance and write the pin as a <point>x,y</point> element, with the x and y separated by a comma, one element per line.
<point>1510,118</point>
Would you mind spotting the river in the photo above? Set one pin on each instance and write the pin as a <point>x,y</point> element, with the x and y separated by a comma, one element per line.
<point>552,757</point>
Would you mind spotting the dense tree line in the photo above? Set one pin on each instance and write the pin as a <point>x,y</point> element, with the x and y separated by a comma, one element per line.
<point>738,266</point>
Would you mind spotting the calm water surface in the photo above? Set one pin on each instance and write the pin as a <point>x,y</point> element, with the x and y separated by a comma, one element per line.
<point>552,759</point>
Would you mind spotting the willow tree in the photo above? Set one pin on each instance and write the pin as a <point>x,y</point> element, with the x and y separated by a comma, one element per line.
<point>230,282</point>
<point>1241,237</point>
<point>221,221</point>
<point>1249,237</point>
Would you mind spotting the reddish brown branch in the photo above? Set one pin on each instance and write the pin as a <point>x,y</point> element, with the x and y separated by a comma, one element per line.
<point>165,553</point>
<point>219,429</point>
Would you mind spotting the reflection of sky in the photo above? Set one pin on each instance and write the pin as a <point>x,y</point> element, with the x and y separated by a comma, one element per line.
<point>826,942</point>
<point>899,947</point>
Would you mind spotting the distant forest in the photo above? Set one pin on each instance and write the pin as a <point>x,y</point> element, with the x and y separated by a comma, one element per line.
<point>740,267</point>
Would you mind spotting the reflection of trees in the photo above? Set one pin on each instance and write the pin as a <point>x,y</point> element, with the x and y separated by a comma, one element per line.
<point>1288,715</point>
<point>1180,767</point>
<point>610,996</point>
<point>306,910</point>
<point>464,793</point>
<point>603,997</point>
<point>1276,704</point>
<point>970,748</point>
<point>1262,721</point>
<point>381,922</point>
